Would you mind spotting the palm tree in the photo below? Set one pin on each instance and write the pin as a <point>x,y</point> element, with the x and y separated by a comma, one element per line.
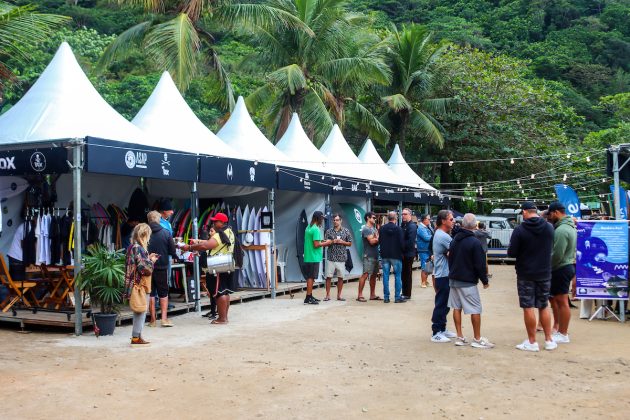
<point>414,62</point>
<point>182,42</point>
<point>320,76</point>
<point>21,29</point>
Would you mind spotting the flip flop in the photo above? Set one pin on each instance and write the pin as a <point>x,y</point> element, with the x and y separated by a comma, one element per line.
<point>217,322</point>
<point>326,299</point>
<point>376,298</point>
<point>361,299</point>
<point>341,299</point>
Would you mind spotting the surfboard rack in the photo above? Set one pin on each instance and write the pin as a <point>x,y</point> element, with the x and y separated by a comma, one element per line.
<point>259,248</point>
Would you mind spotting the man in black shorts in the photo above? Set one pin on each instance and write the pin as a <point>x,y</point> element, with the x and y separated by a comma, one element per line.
<point>531,245</point>
<point>562,269</point>
<point>161,243</point>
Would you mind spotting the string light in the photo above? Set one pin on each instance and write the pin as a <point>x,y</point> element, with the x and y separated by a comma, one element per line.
<point>564,177</point>
<point>588,158</point>
<point>532,176</point>
<point>450,163</point>
<point>512,161</point>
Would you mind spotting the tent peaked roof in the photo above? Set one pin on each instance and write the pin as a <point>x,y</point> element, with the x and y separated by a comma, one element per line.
<point>399,166</point>
<point>296,145</point>
<point>243,135</point>
<point>63,104</point>
<point>377,167</point>
<point>169,122</point>
<point>341,159</point>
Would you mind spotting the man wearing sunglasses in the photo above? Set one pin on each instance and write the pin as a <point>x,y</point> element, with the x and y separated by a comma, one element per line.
<point>441,244</point>
<point>369,236</point>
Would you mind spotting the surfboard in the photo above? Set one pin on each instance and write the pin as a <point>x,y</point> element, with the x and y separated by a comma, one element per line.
<point>11,186</point>
<point>260,255</point>
<point>253,264</point>
<point>265,239</point>
<point>354,217</point>
<point>302,223</point>
<point>245,272</point>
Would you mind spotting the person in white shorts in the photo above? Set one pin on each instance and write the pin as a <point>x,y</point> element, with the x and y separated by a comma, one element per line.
<point>336,255</point>
<point>467,265</point>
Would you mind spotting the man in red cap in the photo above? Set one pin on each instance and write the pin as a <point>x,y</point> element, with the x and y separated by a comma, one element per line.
<point>220,285</point>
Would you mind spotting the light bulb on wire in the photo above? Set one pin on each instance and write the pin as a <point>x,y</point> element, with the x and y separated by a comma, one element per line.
<point>512,161</point>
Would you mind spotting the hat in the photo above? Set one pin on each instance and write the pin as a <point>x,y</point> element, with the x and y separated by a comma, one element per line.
<point>165,205</point>
<point>528,205</point>
<point>248,239</point>
<point>220,217</point>
<point>555,206</point>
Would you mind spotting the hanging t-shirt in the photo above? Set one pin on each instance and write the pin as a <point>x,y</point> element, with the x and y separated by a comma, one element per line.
<point>15,251</point>
<point>312,254</point>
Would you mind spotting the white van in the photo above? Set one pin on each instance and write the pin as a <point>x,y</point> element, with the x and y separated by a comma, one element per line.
<point>500,229</point>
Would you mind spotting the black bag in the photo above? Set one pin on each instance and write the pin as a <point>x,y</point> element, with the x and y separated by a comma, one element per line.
<point>239,254</point>
<point>349,265</point>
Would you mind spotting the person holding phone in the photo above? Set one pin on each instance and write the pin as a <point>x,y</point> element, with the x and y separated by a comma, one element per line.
<point>161,244</point>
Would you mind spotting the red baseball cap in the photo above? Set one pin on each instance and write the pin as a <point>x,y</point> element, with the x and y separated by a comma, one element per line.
<point>221,217</point>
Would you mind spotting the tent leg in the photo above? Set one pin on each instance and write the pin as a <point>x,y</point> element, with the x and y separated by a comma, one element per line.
<point>77,167</point>
<point>400,209</point>
<point>274,267</point>
<point>194,207</point>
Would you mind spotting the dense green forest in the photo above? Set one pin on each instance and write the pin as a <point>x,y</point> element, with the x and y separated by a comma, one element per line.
<point>451,80</point>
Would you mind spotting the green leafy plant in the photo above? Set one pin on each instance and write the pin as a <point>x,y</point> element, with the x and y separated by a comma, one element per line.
<point>103,277</point>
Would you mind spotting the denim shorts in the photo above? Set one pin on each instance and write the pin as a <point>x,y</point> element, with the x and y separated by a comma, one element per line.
<point>370,265</point>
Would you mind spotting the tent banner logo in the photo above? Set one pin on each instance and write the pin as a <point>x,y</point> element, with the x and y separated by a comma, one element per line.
<point>230,172</point>
<point>38,161</point>
<point>7,163</point>
<point>136,160</point>
<point>166,165</point>
<point>252,174</point>
<point>357,216</point>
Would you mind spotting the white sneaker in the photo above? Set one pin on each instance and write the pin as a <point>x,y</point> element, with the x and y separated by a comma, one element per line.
<point>482,343</point>
<point>449,334</point>
<point>461,341</point>
<point>527,346</point>
<point>550,345</point>
<point>561,338</point>
<point>440,338</point>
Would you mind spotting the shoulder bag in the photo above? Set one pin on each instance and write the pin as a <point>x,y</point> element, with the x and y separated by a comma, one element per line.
<point>138,299</point>
<point>221,263</point>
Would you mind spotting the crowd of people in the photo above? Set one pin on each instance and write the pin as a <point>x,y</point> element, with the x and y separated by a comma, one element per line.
<point>452,254</point>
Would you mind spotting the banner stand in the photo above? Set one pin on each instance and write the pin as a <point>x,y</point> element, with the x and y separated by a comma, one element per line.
<point>604,308</point>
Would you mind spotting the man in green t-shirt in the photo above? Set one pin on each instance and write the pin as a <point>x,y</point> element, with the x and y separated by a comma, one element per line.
<point>313,254</point>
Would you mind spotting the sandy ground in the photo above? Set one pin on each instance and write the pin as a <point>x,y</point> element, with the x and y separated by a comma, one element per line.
<point>283,359</point>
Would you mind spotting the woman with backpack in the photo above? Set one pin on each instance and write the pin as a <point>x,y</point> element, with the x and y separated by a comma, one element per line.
<point>220,285</point>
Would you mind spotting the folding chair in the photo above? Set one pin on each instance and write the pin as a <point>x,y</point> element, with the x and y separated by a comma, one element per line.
<point>17,289</point>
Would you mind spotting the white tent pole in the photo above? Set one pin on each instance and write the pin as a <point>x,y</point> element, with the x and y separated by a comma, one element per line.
<point>274,268</point>
<point>194,209</point>
<point>77,167</point>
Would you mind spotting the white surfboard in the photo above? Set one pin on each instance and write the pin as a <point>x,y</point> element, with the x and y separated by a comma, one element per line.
<point>265,239</point>
<point>253,265</point>
<point>245,271</point>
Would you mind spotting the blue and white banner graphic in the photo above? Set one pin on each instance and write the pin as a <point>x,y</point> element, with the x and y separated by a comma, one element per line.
<point>623,202</point>
<point>602,259</point>
<point>569,198</point>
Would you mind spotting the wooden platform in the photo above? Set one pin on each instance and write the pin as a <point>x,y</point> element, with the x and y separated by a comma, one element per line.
<point>59,320</point>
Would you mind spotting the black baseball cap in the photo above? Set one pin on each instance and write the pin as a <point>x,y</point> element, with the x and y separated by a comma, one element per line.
<point>528,205</point>
<point>556,206</point>
<point>165,205</point>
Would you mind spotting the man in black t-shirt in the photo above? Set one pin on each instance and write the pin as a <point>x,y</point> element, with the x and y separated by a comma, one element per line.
<point>336,255</point>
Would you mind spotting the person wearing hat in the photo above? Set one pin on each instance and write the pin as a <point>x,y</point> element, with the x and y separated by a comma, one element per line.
<point>220,285</point>
<point>562,268</point>
<point>531,244</point>
<point>313,254</point>
<point>165,207</point>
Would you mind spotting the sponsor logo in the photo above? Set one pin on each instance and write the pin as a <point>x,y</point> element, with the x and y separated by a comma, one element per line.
<point>252,174</point>
<point>7,162</point>
<point>389,191</point>
<point>38,161</point>
<point>307,183</point>
<point>136,160</point>
<point>229,172</point>
<point>166,165</point>
<point>357,215</point>
<point>354,187</point>
<point>338,186</point>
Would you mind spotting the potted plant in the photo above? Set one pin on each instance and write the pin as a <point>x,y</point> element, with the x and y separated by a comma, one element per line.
<point>103,278</point>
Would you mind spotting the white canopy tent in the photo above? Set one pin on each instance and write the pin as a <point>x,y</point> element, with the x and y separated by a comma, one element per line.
<point>399,166</point>
<point>241,133</point>
<point>61,105</point>
<point>169,122</point>
<point>341,160</point>
<point>296,145</point>
<point>379,169</point>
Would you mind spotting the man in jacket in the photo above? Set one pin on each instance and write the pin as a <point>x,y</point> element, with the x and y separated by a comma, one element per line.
<point>409,251</point>
<point>391,244</point>
<point>467,265</point>
<point>562,269</point>
<point>161,243</point>
<point>423,240</point>
<point>531,244</point>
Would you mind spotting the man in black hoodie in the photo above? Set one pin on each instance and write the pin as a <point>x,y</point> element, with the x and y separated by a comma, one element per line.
<point>391,243</point>
<point>161,243</point>
<point>410,229</point>
<point>467,265</point>
<point>531,245</point>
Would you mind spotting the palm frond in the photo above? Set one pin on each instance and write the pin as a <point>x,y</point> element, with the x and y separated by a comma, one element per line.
<point>315,116</point>
<point>436,106</point>
<point>124,44</point>
<point>427,127</point>
<point>397,103</point>
<point>367,122</point>
<point>173,45</point>
<point>155,6</point>
<point>263,16</point>
<point>289,78</point>
<point>227,99</point>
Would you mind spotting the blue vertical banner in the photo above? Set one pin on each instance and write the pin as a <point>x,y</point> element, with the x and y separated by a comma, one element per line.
<point>623,202</point>
<point>569,198</point>
<point>602,259</point>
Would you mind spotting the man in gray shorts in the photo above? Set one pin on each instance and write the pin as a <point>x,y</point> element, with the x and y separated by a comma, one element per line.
<point>369,236</point>
<point>467,265</point>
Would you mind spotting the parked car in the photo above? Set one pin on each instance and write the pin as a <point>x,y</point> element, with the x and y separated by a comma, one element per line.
<point>500,229</point>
